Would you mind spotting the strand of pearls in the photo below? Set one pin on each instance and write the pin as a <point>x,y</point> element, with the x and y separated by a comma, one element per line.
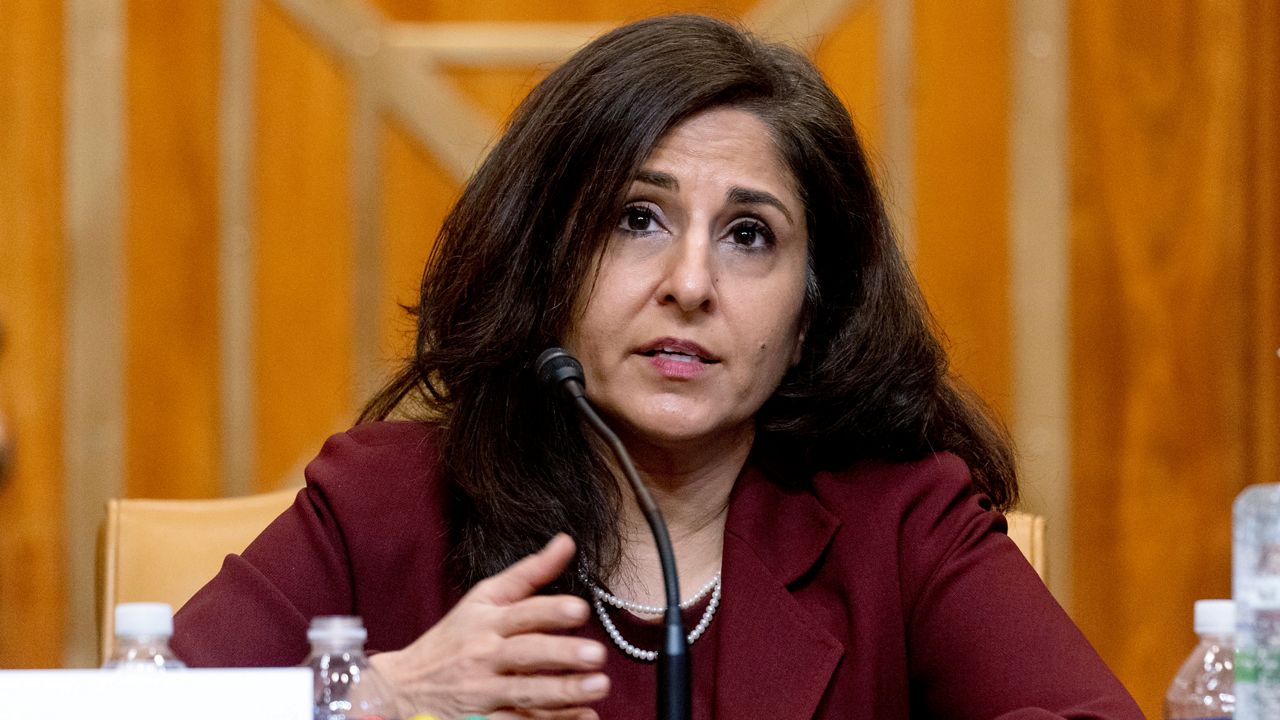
<point>636,608</point>
<point>650,655</point>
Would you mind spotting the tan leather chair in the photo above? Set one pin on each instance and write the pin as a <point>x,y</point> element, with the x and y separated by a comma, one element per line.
<point>165,550</point>
<point>1028,532</point>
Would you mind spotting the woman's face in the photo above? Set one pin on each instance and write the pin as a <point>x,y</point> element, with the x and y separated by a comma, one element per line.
<point>694,315</point>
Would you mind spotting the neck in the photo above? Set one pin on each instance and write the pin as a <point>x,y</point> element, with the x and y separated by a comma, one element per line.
<point>691,486</point>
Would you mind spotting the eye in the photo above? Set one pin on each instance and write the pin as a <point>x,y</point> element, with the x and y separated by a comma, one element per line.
<point>750,233</point>
<point>638,219</point>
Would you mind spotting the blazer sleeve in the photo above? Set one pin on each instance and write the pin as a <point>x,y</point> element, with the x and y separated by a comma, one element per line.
<point>985,637</point>
<point>256,610</point>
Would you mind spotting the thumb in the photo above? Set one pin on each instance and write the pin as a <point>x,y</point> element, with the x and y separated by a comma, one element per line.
<point>530,574</point>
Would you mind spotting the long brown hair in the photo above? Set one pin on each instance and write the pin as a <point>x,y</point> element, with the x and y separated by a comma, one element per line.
<point>499,288</point>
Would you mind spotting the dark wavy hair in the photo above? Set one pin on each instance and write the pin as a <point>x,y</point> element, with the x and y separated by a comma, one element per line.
<point>873,380</point>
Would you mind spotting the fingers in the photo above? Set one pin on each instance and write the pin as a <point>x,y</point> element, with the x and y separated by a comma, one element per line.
<point>537,614</point>
<point>529,692</point>
<point>565,714</point>
<point>497,650</point>
<point>548,653</point>
<point>527,576</point>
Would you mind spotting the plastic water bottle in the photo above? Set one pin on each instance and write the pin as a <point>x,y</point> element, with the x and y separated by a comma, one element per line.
<point>1204,689</point>
<point>142,638</point>
<point>1255,580</point>
<point>346,687</point>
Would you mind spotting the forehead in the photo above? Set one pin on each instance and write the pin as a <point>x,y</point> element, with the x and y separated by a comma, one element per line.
<point>724,143</point>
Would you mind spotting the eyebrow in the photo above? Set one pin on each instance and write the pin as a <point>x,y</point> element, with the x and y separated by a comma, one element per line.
<point>744,196</point>
<point>736,195</point>
<point>660,179</point>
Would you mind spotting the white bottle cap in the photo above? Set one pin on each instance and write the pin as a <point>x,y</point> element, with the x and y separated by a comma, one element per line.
<point>337,629</point>
<point>144,618</point>
<point>1215,617</point>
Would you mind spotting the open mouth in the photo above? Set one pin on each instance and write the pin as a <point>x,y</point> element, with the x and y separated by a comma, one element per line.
<point>678,356</point>
<point>678,350</point>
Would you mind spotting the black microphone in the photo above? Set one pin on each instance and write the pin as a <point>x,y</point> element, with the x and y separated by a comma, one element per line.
<point>562,371</point>
<point>559,369</point>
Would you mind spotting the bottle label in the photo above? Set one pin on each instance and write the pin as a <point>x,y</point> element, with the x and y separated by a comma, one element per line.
<point>1258,666</point>
<point>1257,683</point>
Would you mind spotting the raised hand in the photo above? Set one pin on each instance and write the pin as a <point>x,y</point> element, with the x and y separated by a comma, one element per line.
<point>495,653</point>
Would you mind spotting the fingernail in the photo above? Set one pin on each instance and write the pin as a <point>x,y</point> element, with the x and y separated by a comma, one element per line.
<point>595,683</point>
<point>592,653</point>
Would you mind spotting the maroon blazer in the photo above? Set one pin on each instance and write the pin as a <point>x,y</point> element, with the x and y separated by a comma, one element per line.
<point>882,591</point>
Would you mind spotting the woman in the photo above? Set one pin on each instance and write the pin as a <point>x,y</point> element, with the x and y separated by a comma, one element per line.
<point>688,211</point>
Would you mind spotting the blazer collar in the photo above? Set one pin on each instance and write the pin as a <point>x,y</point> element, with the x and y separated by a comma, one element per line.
<point>774,659</point>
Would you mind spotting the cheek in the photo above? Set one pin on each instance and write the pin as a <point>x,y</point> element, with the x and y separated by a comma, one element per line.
<point>600,316</point>
<point>621,292</point>
<point>782,345</point>
<point>776,349</point>
<point>586,308</point>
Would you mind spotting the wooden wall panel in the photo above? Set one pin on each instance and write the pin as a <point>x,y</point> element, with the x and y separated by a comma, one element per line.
<point>32,592</point>
<point>171,246</point>
<point>498,90</point>
<point>303,241</point>
<point>417,194</point>
<point>1263,224</point>
<point>849,57</point>
<point>961,94</point>
<point>1161,321</point>
<point>583,11</point>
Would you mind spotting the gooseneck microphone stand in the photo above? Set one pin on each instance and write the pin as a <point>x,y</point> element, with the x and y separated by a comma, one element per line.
<point>559,369</point>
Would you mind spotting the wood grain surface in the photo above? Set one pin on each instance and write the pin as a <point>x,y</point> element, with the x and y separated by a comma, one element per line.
<point>417,193</point>
<point>32,311</point>
<point>961,167</point>
<point>303,241</point>
<point>849,57</point>
<point>582,11</point>
<point>1167,374</point>
<point>1263,223</point>
<point>171,250</point>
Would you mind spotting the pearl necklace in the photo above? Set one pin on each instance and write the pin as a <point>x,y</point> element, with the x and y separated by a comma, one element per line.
<point>599,596</point>
<point>636,608</point>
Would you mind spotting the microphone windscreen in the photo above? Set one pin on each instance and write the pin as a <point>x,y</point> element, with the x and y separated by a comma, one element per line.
<point>555,365</point>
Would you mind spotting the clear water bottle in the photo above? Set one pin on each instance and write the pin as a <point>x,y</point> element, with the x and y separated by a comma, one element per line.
<point>142,638</point>
<point>1255,579</point>
<point>346,687</point>
<point>1204,687</point>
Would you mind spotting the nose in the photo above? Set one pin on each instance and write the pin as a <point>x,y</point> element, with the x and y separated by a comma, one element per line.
<point>689,280</point>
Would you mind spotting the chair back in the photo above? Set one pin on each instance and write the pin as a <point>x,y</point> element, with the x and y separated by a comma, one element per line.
<point>166,550</point>
<point>1028,532</point>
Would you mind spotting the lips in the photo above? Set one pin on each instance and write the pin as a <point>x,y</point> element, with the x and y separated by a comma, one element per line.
<point>678,350</point>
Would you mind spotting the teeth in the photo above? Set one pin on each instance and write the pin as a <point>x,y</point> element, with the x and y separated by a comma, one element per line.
<point>679,356</point>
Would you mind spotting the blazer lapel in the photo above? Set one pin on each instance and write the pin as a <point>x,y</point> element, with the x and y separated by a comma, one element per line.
<point>774,659</point>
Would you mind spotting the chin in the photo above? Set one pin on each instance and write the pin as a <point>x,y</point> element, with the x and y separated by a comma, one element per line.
<point>682,431</point>
<point>671,436</point>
